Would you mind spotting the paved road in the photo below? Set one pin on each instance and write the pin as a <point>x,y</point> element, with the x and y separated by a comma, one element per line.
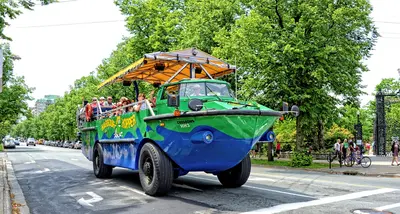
<point>58,180</point>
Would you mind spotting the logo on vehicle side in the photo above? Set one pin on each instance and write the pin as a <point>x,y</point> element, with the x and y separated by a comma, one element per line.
<point>107,123</point>
<point>129,122</point>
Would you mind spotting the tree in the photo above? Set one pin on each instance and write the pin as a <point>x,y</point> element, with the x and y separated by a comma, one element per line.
<point>15,94</point>
<point>308,53</point>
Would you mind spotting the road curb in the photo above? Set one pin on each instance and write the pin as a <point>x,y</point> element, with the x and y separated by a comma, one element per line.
<point>6,209</point>
<point>18,196</point>
<point>353,173</point>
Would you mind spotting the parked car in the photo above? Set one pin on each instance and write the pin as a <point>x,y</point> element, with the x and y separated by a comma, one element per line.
<point>31,141</point>
<point>66,144</point>
<point>71,145</point>
<point>8,143</point>
<point>60,144</point>
<point>16,142</point>
<point>78,145</point>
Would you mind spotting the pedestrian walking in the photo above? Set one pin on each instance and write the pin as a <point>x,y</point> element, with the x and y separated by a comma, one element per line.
<point>337,147</point>
<point>395,151</point>
<point>278,148</point>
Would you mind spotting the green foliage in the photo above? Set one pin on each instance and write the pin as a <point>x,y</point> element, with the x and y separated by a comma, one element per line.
<point>308,53</point>
<point>336,132</point>
<point>348,118</point>
<point>300,159</point>
<point>14,97</point>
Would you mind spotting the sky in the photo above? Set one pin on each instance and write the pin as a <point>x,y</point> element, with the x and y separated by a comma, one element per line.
<point>53,57</point>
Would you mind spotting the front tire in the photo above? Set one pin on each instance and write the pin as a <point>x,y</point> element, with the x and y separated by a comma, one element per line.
<point>100,169</point>
<point>236,176</point>
<point>155,170</point>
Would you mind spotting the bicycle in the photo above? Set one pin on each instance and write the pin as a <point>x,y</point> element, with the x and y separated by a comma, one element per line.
<point>362,160</point>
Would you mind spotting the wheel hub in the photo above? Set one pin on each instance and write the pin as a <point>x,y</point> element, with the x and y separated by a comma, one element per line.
<point>147,169</point>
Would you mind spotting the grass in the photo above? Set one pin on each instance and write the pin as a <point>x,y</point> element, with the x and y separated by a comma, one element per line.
<point>285,163</point>
<point>1,147</point>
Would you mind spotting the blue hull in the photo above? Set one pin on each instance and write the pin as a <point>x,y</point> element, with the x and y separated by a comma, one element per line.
<point>224,152</point>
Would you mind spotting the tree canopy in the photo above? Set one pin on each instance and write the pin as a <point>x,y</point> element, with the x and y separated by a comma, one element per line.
<point>308,53</point>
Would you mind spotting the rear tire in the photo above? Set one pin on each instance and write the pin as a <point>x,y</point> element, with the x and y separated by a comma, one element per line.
<point>236,176</point>
<point>100,169</point>
<point>155,170</point>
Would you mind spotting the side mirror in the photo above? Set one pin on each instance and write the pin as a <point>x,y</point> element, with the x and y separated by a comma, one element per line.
<point>295,109</point>
<point>126,83</point>
<point>173,100</point>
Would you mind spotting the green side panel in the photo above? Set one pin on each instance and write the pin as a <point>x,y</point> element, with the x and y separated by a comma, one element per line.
<point>237,126</point>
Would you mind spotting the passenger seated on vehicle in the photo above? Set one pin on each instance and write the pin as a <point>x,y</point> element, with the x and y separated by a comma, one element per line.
<point>152,99</point>
<point>109,102</point>
<point>141,105</point>
<point>94,103</point>
<point>102,100</point>
<point>118,111</point>
<point>125,103</point>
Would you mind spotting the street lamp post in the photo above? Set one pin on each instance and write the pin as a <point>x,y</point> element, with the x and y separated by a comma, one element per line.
<point>358,128</point>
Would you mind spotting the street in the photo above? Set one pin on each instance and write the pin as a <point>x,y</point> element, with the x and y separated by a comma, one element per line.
<point>61,180</point>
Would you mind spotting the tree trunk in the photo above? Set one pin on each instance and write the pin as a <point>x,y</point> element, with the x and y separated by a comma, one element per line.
<point>321,143</point>
<point>299,133</point>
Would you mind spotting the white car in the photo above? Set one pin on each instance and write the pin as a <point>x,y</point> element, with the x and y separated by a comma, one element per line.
<point>31,141</point>
<point>9,144</point>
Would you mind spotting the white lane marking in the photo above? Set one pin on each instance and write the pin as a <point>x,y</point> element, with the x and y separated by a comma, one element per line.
<point>315,180</point>
<point>186,187</point>
<point>95,198</point>
<point>74,159</point>
<point>135,191</point>
<point>44,170</point>
<point>45,157</point>
<point>327,200</point>
<point>390,206</point>
<point>32,161</point>
<point>252,178</point>
<point>259,188</point>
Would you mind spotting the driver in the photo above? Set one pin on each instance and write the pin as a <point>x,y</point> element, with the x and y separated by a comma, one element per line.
<point>197,90</point>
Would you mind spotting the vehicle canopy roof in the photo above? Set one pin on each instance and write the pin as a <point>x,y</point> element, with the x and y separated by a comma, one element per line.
<point>169,67</point>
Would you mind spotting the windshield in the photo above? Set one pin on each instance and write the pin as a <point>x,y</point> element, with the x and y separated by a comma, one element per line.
<point>31,139</point>
<point>205,89</point>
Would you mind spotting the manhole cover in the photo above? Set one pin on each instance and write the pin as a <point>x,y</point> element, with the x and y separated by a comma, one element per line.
<point>369,211</point>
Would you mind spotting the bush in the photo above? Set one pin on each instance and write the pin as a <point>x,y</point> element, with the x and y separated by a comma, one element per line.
<point>1,147</point>
<point>300,159</point>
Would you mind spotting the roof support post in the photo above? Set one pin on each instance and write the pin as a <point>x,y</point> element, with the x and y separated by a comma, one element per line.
<point>179,71</point>
<point>192,73</point>
<point>205,71</point>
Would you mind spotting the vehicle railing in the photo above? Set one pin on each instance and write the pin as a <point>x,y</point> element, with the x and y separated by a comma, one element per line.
<point>112,111</point>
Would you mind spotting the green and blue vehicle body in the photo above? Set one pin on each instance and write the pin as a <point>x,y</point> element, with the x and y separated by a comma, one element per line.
<point>213,139</point>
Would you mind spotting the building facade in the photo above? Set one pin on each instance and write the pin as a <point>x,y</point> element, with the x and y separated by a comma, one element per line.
<point>41,104</point>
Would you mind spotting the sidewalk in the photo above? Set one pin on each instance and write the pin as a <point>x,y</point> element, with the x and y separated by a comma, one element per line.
<point>12,199</point>
<point>380,167</point>
<point>5,200</point>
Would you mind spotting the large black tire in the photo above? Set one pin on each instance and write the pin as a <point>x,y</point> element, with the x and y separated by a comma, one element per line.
<point>155,170</point>
<point>100,169</point>
<point>236,176</point>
